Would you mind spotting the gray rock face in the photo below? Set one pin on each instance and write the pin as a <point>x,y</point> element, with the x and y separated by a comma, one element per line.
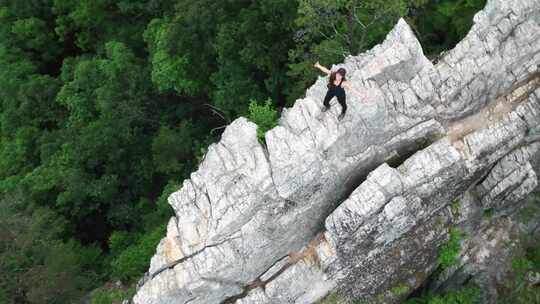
<point>320,209</point>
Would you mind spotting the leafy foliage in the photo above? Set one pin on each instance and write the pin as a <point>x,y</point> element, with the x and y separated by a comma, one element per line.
<point>519,290</point>
<point>264,116</point>
<point>35,266</point>
<point>440,24</point>
<point>450,249</point>
<point>399,290</point>
<point>111,295</point>
<point>134,259</point>
<point>228,52</point>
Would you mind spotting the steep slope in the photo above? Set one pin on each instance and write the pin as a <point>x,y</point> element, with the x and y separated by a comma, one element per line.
<point>360,205</point>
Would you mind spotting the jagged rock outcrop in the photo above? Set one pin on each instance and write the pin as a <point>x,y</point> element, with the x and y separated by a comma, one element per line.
<point>360,206</point>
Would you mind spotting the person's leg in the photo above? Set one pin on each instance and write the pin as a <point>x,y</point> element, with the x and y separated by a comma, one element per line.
<point>326,101</point>
<point>343,107</point>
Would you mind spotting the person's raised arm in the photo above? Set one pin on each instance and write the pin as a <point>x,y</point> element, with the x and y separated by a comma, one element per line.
<point>320,67</point>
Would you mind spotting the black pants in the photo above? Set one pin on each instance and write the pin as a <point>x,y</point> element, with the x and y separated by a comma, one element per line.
<point>341,100</point>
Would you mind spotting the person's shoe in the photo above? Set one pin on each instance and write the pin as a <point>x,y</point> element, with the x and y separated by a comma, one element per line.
<point>340,117</point>
<point>325,109</point>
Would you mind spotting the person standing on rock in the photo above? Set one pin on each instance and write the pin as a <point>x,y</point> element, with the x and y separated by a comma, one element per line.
<point>337,83</point>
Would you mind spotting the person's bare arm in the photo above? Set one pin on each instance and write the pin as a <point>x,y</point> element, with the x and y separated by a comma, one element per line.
<point>320,67</point>
<point>347,85</point>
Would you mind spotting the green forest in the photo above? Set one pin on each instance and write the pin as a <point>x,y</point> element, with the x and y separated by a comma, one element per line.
<point>107,106</point>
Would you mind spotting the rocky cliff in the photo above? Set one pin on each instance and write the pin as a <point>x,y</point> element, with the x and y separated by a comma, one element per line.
<point>359,206</point>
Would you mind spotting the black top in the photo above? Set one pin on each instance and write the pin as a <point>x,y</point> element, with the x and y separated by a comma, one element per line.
<point>338,90</point>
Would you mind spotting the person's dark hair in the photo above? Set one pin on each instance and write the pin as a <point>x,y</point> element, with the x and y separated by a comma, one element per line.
<point>332,78</point>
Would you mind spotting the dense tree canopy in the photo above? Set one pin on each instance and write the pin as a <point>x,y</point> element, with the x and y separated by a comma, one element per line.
<point>107,106</point>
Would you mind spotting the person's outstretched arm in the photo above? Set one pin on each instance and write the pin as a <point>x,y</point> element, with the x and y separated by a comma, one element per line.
<point>320,67</point>
<point>350,87</point>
